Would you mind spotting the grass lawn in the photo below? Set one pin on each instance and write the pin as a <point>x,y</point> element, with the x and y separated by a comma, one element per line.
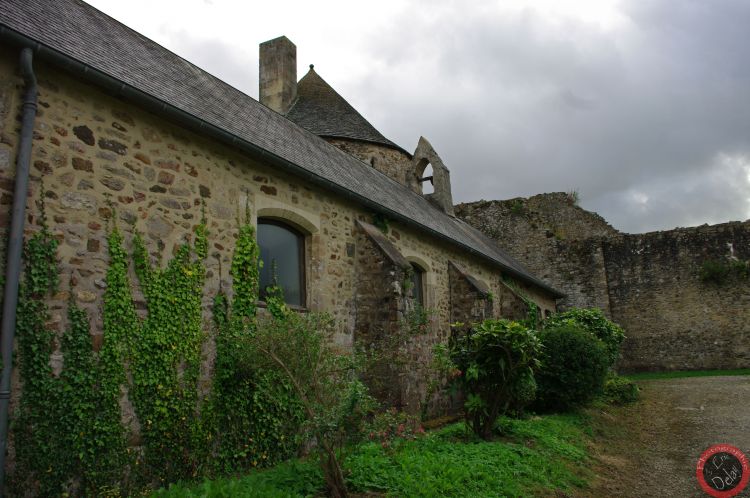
<point>534,457</point>
<point>686,373</point>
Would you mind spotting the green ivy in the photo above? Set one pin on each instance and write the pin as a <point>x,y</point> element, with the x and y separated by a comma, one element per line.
<point>67,433</point>
<point>245,278</point>
<point>164,357</point>
<point>38,446</point>
<point>68,430</point>
<point>89,412</point>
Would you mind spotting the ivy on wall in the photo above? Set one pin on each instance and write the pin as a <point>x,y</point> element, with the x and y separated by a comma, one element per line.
<point>164,356</point>
<point>68,430</point>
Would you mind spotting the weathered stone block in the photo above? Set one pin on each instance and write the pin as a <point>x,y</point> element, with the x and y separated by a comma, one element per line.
<point>114,146</point>
<point>84,134</point>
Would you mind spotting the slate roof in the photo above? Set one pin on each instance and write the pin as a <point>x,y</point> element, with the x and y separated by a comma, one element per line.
<point>320,109</point>
<point>93,46</point>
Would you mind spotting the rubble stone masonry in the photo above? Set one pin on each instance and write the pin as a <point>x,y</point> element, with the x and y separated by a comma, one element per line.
<point>649,283</point>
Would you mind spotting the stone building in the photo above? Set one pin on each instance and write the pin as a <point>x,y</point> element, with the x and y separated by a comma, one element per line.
<point>338,207</point>
<point>677,313</point>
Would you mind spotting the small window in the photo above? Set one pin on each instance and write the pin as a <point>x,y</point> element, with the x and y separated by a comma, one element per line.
<point>417,284</point>
<point>427,180</point>
<point>282,250</point>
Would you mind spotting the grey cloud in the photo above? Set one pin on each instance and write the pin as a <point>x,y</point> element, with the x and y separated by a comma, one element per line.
<point>517,105</point>
<point>234,65</point>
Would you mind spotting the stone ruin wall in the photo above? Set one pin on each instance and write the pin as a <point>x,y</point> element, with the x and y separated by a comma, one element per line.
<point>549,235</point>
<point>674,320</point>
<point>648,283</point>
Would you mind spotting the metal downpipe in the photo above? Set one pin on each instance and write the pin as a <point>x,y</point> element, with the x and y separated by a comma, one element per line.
<point>15,247</point>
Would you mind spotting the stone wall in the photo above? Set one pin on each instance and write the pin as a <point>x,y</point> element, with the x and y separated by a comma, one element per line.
<point>96,157</point>
<point>648,283</point>
<point>555,239</point>
<point>673,319</point>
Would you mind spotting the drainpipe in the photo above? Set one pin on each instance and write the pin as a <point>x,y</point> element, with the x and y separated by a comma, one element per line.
<point>15,246</point>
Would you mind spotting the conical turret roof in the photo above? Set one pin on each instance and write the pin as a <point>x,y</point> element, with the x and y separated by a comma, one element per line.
<point>320,109</point>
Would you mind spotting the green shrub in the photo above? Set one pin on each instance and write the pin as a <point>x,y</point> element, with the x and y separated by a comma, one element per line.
<point>300,348</point>
<point>718,272</point>
<point>620,390</point>
<point>491,364</point>
<point>524,392</point>
<point>573,370</point>
<point>392,427</point>
<point>714,271</point>
<point>594,322</point>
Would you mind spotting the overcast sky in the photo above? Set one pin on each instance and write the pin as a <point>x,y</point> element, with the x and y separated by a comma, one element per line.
<point>642,106</point>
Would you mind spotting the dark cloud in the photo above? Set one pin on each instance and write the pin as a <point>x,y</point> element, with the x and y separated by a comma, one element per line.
<point>648,121</point>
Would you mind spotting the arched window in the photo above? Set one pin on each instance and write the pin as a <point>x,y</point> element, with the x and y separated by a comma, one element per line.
<point>427,180</point>
<point>417,284</point>
<point>282,250</point>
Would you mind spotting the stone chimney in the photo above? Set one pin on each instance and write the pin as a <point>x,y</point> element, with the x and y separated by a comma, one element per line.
<point>278,74</point>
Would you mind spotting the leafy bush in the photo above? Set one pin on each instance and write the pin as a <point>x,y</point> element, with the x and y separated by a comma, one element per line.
<point>620,390</point>
<point>489,363</point>
<point>335,402</point>
<point>524,392</point>
<point>714,271</point>
<point>594,322</point>
<point>574,367</point>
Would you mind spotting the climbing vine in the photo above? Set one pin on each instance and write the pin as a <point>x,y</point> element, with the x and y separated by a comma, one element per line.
<point>164,357</point>
<point>68,428</point>
<point>89,412</point>
<point>37,445</point>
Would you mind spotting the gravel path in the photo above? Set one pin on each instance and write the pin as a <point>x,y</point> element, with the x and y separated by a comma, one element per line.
<point>651,449</point>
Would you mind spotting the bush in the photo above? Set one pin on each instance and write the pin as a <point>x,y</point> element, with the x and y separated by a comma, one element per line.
<point>492,364</point>
<point>336,403</point>
<point>594,322</point>
<point>573,370</point>
<point>620,390</point>
<point>523,394</point>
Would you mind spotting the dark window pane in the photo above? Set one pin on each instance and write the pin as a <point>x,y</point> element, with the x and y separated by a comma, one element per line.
<point>417,285</point>
<point>281,250</point>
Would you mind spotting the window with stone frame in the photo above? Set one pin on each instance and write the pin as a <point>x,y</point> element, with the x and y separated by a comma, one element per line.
<point>282,250</point>
<point>417,284</point>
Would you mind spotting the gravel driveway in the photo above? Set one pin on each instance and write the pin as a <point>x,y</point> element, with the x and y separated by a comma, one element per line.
<point>651,449</point>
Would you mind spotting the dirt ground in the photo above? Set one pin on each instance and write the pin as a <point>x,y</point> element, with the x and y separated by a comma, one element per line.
<point>651,448</point>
